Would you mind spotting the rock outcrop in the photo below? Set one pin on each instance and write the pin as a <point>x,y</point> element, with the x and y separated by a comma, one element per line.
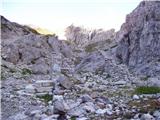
<point>9,30</point>
<point>24,46</point>
<point>139,39</point>
<point>82,37</point>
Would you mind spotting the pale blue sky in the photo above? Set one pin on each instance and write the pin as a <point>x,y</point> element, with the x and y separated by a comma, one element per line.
<point>56,15</point>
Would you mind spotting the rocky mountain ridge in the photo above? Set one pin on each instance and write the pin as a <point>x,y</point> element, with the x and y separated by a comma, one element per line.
<point>11,29</point>
<point>97,75</point>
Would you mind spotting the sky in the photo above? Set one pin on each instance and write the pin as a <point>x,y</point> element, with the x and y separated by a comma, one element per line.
<point>56,15</point>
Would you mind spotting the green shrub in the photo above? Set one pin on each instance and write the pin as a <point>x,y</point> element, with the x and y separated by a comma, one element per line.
<point>147,90</point>
<point>46,97</point>
<point>73,118</point>
<point>91,47</point>
<point>26,71</point>
<point>2,77</point>
<point>128,116</point>
<point>5,26</point>
<point>68,42</point>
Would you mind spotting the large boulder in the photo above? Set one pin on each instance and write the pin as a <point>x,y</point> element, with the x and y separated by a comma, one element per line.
<point>139,39</point>
<point>65,82</point>
<point>91,63</point>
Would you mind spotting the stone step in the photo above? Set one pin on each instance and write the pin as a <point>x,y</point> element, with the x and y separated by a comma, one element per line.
<point>44,83</point>
<point>40,87</point>
<point>44,93</point>
<point>43,89</point>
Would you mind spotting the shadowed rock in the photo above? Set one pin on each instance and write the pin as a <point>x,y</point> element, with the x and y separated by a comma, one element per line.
<point>139,39</point>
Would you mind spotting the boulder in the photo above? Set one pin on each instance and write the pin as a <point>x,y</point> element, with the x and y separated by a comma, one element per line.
<point>147,117</point>
<point>60,106</point>
<point>65,82</point>
<point>89,107</point>
<point>86,98</point>
<point>76,112</point>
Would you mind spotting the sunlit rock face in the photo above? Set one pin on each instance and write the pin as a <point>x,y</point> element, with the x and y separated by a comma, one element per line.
<point>139,39</point>
<point>81,36</point>
<point>10,30</point>
<point>77,35</point>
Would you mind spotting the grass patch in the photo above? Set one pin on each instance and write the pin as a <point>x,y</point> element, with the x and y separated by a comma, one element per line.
<point>145,106</point>
<point>68,42</point>
<point>128,116</point>
<point>46,98</point>
<point>91,47</point>
<point>2,77</point>
<point>73,118</point>
<point>26,71</point>
<point>5,26</point>
<point>147,90</point>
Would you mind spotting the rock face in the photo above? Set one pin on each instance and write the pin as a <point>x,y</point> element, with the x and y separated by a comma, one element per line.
<point>82,37</point>
<point>11,29</point>
<point>139,39</point>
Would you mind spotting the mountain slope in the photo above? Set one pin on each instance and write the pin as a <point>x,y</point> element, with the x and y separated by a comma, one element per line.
<point>10,29</point>
<point>23,45</point>
<point>44,78</point>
